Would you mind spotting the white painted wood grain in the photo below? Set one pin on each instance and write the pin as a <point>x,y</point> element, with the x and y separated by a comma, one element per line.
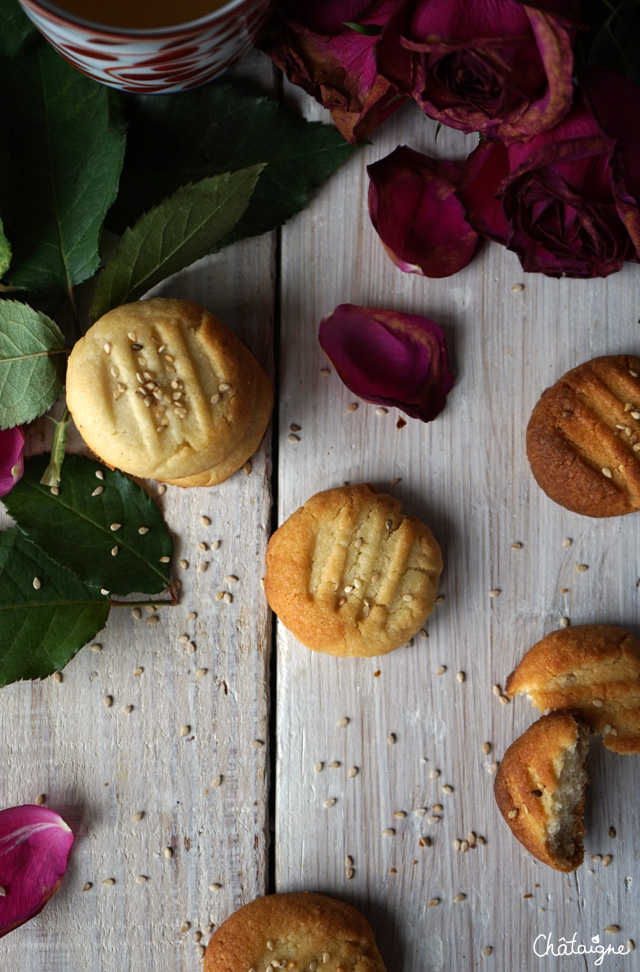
<point>99,766</point>
<point>467,476</point>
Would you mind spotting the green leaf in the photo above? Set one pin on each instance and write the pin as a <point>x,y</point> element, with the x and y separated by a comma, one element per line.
<point>69,138</point>
<point>220,128</point>
<point>41,630</point>
<point>179,231</point>
<point>15,28</point>
<point>32,362</point>
<point>369,30</point>
<point>5,252</point>
<point>74,527</point>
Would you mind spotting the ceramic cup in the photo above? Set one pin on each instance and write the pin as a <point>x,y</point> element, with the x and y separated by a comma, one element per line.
<point>159,59</point>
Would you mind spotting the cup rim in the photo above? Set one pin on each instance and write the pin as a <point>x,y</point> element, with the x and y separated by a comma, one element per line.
<point>137,32</point>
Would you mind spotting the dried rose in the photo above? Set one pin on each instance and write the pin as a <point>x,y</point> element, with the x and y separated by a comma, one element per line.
<point>414,210</point>
<point>34,846</point>
<point>335,63</point>
<point>388,358</point>
<point>566,202</point>
<point>502,69</point>
<point>11,461</point>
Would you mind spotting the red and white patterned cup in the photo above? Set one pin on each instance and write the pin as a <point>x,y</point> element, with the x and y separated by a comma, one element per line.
<point>159,59</point>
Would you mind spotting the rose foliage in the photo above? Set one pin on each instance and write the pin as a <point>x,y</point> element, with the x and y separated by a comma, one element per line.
<point>34,846</point>
<point>388,358</point>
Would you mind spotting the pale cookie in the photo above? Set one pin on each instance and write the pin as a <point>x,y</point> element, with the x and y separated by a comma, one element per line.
<point>540,789</point>
<point>161,388</point>
<point>594,668</point>
<point>247,445</point>
<point>349,574</point>
<point>303,931</point>
<point>583,438</point>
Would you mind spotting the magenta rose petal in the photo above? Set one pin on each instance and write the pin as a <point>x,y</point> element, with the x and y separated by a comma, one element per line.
<point>34,846</point>
<point>482,174</point>
<point>11,461</point>
<point>414,210</point>
<point>389,358</point>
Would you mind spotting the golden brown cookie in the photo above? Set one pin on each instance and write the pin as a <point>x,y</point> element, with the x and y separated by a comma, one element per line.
<point>592,667</point>
<point>540,788</point>
<point>302,931</point>
<point>349,574</point>
<point>583,438</point>
<point>161,388</point>
<point>247,445</point>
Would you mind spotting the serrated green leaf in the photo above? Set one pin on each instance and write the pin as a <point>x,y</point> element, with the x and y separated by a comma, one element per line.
<point>32,362</point>
<point>5,252</point>
<point>74,528</point>
<point>41,630</point>
<point>179,231</point>
<point>220,128</point>
<point>15,28</point>
<point>69,138</point>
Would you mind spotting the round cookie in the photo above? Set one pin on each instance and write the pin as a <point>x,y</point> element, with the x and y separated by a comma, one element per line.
<point>583,438</point>
<point>247,445</point>
<point>540,789</point>
<point>301,930</point>
<point>349,574</point>
<point>594,668</point>
<point>161,388</point>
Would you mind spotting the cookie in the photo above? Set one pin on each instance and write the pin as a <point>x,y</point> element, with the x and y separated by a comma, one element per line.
<point>161,388</point>
<point>301,930</point>
<point>349,574</point>
<point>247,446</point>
<point>540,789</point>
<point>583,438</point>
<point>592,667</point>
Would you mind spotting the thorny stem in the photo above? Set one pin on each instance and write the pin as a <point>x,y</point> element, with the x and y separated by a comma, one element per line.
<point>131,604</point>
<point>52,474</point>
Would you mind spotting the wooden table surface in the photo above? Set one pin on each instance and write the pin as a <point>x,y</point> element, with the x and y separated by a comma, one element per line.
<point>234,805</point>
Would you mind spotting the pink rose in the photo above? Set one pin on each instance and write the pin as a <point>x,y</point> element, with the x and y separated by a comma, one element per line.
<point>566,202</point>
<point>334,63</point>
<point>502,69</point>
<point>11,462</point>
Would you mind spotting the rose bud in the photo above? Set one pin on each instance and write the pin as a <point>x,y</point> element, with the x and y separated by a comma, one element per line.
<point>414,210</point>
<point>11,461</point>
<point>502,69</point>
<point>34,846</point>
<point>333,62</point>
<point>566,202</point>
<point>388,358</point>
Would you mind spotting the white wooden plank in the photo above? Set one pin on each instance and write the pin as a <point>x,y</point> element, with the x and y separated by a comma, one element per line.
<point>99,766</point>
<point>466,474</point>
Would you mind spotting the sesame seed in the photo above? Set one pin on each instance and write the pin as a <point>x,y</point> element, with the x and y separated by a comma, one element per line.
<point>138,816</point>
<point>388,524</point>
<point>496,592</point>
<point>97,491</point>
<point>185,730</point>
<point>493,768</point>
<point>606,471</point>
<point>381,411</point>
<point>325,957</point>
<point>219,595</point>
<point>109,882</point>
<point>503,699</point>
<point>343,723</point>
<point>460,676</point>
<point>227,597</point>
<point>231,579</point>
<point>54,491</point>
<point>201,568</point>
<point>115,551</point>
<point>162,489</point>
<point>464,846</point>
<point>635,414</point>
<point>141,878</point>
<point>612,929</point>
<point>388,832</point>
<point>153,620</point>
<point>434,774</point>
<point>138,671</point>
<point>143,530</point>
<point>328,804</point>
<point>456,845</point>
<point>513,813</point>
<point>348,588</point>
<point>353,407</point>
<point>37,583</point>
<point>107,701</point>
<point>325,371</point>
<point>481,841</point>
<point>127,709</point>
<point>87,886</point>
<point>437,807</point>
<point>433,820</point>
<point>407,597</point>
<point>215,887</point>
<point>292,437</point>
<point>630,945</point>
<point>57,677</point>
<point>391,738</point>
<point>518,288</point>
<point>224,387</point>
<point>353,772</point>
<point>596,858</point>
<point>168,852</point>
<point>486,951</point>
<point>606,860</point>
<point>348,861</point>
<point>567,542</point>
<point>486,748</point>
<point>350,872</point>
<point>217,781</point>
<point>634,374</point>
<point>192,616</point>
<point>184,564</point>
<point>607,729</point>
<point>335,764</point>
<point>318,767</point>
<point>459,897</point>
<point>564,622</point>
<point>132,336</point>
<point>581,568</point>
<point>440,599</point>
<point>201,672</point>
<point>441,669</point>
<point>96,647</point>
<point>612,833</point>
<point>447,789</point>
<point>104,591</point>
<point>598,703</point>
<point>107,347</point>
<point>420,812</point>
<point>41,799</point>
<point>516,546</point>
<point>399,815</point>
<point>257,743</point>
<point>202,546</point>
<point>471,837</point>
<point>425,842</point>
<point>433,902</point>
